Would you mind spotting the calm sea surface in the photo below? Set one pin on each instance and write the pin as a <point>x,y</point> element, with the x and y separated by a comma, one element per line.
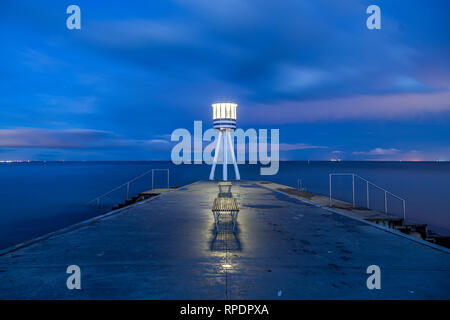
<point>40,197</point>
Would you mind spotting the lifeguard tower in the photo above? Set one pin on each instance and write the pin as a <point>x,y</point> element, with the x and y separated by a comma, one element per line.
<point>224,117</point>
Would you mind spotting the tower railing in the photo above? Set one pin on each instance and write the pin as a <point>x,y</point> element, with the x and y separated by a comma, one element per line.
<point>128,183</point>
<point>368,183</point>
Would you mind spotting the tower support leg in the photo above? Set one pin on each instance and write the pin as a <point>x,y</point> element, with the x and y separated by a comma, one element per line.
<point>236,169</point>
<point>225,155</point>
<point>216,156</point>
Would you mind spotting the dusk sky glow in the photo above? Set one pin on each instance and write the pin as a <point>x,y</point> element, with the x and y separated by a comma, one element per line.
<point>136,71</point>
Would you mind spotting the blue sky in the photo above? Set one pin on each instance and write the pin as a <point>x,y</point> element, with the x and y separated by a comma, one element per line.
<point>138,70</point>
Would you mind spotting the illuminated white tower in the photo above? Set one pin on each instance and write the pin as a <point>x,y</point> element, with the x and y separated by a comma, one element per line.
<point>224,116</point>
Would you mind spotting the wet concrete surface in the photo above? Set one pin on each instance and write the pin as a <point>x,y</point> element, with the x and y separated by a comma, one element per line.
<point>167,248</point>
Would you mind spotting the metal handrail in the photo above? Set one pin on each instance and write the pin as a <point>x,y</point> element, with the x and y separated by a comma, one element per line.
<point>131,181</point>
<point>386,192</point>
<point>153,177</point>
<point>299,184</point>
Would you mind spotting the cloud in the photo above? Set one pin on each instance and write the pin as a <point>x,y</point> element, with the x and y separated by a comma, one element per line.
<point>39,61</point>
<point>140,33</point>
<point>47,138</point>
<point>156,66</point>
<point>408,84</point>
<point>378,152</point>
<point>73,139</point>
<point>296,79</point>
<point>393,154</point>
<point>298,146</point>
<point>75,105</point>
<point>389,106</point>
<point>273,53</point>
<point>265,54</point>
<point>152,144</point>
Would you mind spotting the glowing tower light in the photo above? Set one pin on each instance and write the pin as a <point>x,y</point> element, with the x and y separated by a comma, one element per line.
<point>224,117</point>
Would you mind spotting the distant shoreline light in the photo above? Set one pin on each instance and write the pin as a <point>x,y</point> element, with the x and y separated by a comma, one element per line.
<point>13,161</point>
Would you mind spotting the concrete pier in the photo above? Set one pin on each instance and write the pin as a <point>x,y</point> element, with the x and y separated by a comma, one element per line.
<point>283,248</point>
